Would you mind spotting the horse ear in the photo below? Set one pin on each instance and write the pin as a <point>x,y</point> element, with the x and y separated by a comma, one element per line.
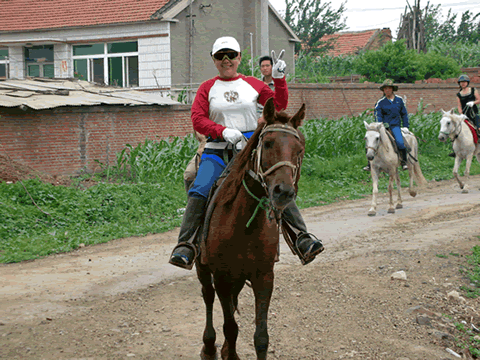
<point>269,111</point>
<point>297,119</point>
<point>451,111</point>
<point>366,124</point>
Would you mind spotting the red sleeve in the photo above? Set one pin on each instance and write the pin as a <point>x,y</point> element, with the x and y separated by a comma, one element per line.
<point>280,95</point>
<point>200,119</point>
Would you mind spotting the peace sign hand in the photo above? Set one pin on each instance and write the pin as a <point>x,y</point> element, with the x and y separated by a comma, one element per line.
<point>278,71</point>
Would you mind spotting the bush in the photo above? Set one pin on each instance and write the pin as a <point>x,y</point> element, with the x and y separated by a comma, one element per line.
<point>395,62</point>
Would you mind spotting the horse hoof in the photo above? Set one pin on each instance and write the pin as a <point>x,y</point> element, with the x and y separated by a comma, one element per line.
<point>399,206</point>
<point>205,356</point>
<point>465,191</point>
<point>413,193</point>
<point>391,211</point>
<point>372,213</point>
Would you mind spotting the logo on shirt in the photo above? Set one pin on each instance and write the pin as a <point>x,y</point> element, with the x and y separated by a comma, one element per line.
<point>231,96</point>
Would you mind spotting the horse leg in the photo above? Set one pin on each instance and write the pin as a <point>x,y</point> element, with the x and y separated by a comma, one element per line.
<point>209,351</point>
<point>224,289</point>
<point>391,177</point>
<point>399,189</point>
<point>373,208</point>
<point>262,288</point>
<point>411,176</point>
<point>467,173</point>
<point>455,171</point>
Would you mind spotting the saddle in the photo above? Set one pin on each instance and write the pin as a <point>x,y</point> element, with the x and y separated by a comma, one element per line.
<point>394,143</point>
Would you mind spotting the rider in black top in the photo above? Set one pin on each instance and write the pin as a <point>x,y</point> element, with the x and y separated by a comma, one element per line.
<point>468,100</point>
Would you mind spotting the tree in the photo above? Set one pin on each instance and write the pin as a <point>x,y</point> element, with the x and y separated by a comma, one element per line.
<point>311,20</point>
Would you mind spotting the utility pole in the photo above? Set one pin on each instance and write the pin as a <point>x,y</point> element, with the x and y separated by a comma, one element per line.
<point>265,48</point>
<point>190,52</point>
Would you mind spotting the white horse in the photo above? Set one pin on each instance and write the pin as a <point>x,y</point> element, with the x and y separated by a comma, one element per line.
<point>382,157</point>
<point>453,127</point>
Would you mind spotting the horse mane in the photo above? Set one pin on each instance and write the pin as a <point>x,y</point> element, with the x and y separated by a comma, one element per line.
<point>384,137</point>
<point>243,160</point>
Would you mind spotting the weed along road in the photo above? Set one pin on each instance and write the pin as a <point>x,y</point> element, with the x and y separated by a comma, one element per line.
<point>117,300</point>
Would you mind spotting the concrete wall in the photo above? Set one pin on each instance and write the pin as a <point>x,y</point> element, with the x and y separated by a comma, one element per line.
<point>69,140</point>
<point>243,18</point>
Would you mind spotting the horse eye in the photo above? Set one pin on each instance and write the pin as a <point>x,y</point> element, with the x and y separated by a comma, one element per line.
<point>268,144</point>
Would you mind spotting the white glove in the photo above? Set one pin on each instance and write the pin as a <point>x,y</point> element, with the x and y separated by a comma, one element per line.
<point>232,135</point>
<point>278,71</point>
<point>471,103</point>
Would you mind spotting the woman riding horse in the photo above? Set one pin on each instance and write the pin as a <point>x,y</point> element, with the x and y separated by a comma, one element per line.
<point>391,110</point>
<point>224,110</point>
<point>468,99</point>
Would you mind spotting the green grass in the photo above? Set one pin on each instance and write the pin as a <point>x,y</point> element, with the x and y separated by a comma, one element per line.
<point>473,273</point>
<point>71,217</point>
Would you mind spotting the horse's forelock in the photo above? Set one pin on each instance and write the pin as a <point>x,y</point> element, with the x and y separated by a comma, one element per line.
<point>282,117</point>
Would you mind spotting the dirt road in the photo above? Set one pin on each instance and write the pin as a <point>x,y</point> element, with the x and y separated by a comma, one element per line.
<point>122,300</point>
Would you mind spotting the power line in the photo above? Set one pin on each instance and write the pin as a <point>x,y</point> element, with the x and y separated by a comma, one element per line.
<point>403,7</point>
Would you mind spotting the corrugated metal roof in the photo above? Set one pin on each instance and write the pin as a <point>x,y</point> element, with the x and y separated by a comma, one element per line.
<point>41,94</point>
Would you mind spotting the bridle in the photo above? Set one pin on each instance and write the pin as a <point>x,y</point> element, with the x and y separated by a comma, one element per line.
<point>372,148</point>
<point>259,175</point>
<point>258,154</point>
<point>454,131</point>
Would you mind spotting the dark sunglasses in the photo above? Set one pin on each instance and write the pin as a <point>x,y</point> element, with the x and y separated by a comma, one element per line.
<point>229,54</point>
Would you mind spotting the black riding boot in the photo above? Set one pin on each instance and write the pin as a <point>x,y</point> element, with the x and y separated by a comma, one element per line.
<point>307,246</point>
<point>403,162</point>
<point>183,255</point>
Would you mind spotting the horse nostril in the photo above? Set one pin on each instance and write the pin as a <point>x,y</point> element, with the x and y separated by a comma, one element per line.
<point>281,190</point>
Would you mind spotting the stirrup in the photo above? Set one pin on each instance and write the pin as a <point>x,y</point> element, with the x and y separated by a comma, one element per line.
<point>181,260</point>
<point>311,252</point>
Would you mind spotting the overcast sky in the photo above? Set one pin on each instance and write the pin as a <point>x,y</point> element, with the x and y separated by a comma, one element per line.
<point>375,14</point>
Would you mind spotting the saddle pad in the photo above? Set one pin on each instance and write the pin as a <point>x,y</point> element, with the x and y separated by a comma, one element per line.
<point>472,129</point>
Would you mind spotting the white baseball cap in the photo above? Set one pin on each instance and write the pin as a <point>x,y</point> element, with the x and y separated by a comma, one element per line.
<point>225,42</point>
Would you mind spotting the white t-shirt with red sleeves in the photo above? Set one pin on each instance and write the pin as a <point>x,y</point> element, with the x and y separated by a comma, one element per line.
<point>232,103</point>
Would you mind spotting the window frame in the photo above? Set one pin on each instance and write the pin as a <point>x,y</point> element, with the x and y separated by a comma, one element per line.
<point>5,62</point>
<point>106,56</point>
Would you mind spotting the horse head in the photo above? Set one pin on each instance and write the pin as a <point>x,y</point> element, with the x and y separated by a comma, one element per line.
<point>279,154</point>
<point>373,138</point>
<point>450,124</point>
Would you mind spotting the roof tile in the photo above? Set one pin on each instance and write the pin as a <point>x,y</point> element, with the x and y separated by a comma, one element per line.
<point>18,15</point>
<point>350,42</point>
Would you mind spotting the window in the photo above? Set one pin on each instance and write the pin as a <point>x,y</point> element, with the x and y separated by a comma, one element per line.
<point>39,61</point>
<point>107,63</point>
<point>3,63</point>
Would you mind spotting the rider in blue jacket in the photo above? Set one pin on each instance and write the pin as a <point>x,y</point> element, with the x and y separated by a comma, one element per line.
<point>391,110</point>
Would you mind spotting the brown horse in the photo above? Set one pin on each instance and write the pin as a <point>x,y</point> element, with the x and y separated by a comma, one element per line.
<point>242,236</point>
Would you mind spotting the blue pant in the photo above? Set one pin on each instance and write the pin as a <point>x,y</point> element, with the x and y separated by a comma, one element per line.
<point>397,134</point>
<point>210,168</point>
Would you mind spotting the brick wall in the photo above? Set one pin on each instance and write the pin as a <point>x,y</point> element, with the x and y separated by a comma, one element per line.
<point>336,100</point>
<point>68,140</point>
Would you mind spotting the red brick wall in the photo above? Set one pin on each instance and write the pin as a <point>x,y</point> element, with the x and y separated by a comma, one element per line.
<point>67,141</point>
<point>336,100</point>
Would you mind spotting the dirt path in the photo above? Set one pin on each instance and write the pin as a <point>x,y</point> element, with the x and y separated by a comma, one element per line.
<point>121,300</point>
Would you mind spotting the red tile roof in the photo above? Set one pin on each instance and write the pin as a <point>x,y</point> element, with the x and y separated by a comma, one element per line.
<point>18,15</point>
<point>351,42</point>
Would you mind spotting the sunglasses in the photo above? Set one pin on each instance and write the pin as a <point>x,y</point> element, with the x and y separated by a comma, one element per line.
<point>229,54</point>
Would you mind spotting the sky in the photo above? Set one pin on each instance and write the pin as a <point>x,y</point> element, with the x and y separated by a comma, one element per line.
<point>376,14</point>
